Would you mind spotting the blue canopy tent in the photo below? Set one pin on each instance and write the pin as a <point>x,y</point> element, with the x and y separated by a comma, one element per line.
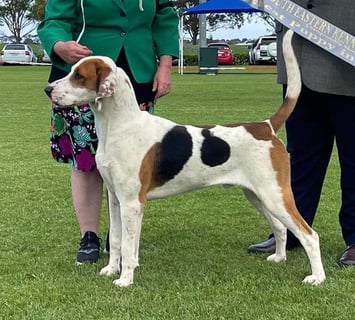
<point>213,6</point>
<point>219,6</point>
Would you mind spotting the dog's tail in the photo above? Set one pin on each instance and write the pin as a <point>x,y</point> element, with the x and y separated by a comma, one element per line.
<point>294,83</point>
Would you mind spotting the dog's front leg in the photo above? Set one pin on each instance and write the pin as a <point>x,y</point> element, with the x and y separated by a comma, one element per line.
<point>115,234</point>
<point>131,215</point>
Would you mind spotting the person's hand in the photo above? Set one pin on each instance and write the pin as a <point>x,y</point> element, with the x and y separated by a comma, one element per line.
<point>162,78</point>
<point>71,51</point>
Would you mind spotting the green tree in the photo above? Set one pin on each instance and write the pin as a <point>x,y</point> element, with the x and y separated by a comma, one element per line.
<point>216,20</point>
<point>16,15</point>
<point>37,10</point>
<point>268,19</point>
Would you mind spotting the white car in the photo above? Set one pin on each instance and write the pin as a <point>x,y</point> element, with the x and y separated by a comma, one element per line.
<point>263,50</point>
<point>17,53</point>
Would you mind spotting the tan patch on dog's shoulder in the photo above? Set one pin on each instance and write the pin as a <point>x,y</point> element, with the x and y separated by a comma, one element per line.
<point>147,173</point>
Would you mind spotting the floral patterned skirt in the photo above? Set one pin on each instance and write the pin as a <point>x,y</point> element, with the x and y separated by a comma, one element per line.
<point>73,137</point>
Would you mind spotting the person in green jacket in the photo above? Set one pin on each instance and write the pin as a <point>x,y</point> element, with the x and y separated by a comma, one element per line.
<point>134,33</point>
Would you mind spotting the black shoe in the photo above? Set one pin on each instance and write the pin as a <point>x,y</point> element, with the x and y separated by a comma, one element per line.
<point>268,246</point>
<point>89,250</point>
<point>348,257</point>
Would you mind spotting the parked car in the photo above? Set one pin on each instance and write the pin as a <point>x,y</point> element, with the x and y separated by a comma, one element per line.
<point>263,50</point>
<point>17,53</point>
<point>46,58</point>
<point>225,54</point>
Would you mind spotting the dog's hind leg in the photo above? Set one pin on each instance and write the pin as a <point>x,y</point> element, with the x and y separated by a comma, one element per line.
<point>115,235</point>
<point>131,215</point>
<point>278,228</point>
<point>285,211</point>
<point>309,240</point>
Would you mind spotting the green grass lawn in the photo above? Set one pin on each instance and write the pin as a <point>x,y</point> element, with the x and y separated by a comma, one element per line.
<point>193,258</point>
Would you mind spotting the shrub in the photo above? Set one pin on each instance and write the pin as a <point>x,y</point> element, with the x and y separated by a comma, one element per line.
<point>191,60</point>
<point>241,58</point>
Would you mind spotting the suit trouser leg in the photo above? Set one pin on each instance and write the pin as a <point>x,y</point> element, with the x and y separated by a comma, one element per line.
<point>310,141</point>
<point>343,117</point>
<point>311,129</point>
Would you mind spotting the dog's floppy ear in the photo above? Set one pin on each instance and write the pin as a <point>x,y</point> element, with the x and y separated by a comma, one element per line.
<point>106,82</point>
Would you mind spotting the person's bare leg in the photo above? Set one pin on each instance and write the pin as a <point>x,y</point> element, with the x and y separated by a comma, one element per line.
<point>87,198</point>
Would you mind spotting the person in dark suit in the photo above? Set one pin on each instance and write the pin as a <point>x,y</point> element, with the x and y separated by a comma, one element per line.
<point>133,33</point>
<point>324,114</point>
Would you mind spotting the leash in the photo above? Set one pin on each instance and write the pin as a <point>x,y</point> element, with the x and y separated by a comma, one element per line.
<point>311,27</point>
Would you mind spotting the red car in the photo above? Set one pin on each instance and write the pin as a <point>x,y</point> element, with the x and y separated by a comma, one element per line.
<point>225,54</point>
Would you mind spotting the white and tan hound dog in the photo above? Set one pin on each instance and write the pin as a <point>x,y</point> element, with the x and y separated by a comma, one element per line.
<point>176,158</point>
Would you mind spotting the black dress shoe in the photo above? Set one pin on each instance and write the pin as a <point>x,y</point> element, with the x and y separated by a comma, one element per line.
<point>268,246</point>
<point>348,256</point>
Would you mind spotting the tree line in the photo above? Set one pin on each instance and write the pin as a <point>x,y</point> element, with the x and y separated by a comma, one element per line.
<point>21,18</point>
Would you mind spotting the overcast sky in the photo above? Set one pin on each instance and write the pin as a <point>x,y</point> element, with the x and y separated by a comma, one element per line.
<point>249,30</point>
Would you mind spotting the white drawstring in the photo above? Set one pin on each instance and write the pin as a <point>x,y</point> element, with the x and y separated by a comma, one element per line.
<point>84,22</point>
<point>140,5</point>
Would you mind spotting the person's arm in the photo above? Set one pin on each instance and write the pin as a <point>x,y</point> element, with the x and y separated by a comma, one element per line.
<point>57,29</point>
<point>166,38</point>
<point>162,78</point>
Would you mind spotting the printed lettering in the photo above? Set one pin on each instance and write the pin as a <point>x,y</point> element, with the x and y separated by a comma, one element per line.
<point>348,56</point>
<point>312,28</point>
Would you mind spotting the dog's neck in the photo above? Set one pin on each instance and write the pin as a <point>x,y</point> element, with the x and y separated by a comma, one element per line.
<point>119,111</point>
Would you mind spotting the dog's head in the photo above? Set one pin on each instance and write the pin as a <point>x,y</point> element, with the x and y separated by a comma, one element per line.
<point>90,80</point>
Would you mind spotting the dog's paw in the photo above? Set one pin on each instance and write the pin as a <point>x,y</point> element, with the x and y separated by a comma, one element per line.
<point>109,270</point>
<point>276,258</point>
<point>314,280</point>
<point>123,282</point>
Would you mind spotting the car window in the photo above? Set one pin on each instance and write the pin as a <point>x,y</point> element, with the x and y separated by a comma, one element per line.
<point>219,46</point>
<point>266,41</point>
<point>14,47</point>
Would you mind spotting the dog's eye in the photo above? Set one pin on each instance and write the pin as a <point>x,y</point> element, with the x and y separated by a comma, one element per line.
<point>77,76</point>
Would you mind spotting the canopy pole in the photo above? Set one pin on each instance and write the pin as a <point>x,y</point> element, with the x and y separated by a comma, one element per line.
<point>181,43</point>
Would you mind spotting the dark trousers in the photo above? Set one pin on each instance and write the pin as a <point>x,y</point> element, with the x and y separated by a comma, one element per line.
<point>317,122</point>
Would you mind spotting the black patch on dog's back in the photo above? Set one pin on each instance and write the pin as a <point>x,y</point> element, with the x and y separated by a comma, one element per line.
<point>174,151</point>
<point>214,150</point>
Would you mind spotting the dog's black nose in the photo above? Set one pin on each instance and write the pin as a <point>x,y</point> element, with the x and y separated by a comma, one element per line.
<point>48,90</point>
